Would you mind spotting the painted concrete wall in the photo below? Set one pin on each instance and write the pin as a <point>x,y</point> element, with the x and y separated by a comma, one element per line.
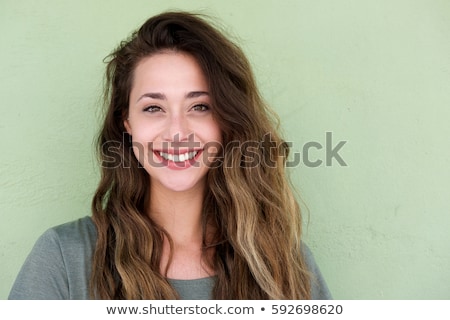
<point>375,74</point>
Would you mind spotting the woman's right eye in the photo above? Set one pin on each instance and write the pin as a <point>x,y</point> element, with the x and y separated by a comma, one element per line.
<point>152,109</point>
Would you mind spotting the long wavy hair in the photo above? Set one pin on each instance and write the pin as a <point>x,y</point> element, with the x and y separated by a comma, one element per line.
<point>249,201</point>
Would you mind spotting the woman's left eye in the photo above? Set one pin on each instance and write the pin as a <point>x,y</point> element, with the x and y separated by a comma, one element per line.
<point>200,107</point>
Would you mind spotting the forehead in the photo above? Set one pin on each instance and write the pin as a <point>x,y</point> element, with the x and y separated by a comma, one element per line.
<point>168,69</point>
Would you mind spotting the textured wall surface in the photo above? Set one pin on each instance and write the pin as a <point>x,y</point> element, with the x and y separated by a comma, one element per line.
<point>375,74</point>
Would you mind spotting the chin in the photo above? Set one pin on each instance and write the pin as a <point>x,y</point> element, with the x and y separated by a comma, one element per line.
<point>181,188</point>
<point>179,184</point>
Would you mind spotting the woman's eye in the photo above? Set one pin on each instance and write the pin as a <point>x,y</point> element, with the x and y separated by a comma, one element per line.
<point>152,109</point>
<point>200,107</point>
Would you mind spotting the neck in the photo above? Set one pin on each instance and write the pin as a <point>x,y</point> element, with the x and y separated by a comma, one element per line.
<point>178,212</point>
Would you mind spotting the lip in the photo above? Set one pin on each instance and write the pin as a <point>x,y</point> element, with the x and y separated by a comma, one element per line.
<point>177,151</point>
<point>179,165</point>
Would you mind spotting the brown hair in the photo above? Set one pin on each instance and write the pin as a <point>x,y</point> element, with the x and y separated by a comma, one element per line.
<point>250,205</point>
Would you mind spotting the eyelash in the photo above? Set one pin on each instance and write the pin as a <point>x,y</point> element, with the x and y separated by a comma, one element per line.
<point>203,107</point>
<point>153,109</point>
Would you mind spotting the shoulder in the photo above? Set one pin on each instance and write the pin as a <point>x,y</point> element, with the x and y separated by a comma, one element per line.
<point>319,287</point>
<point>74,243</point>
<point>71,238</point>
<point>81,232</point>
<point>76,235</point>
<point>58,266</point>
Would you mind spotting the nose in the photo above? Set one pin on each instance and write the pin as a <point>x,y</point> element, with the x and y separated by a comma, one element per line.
<point>177,128</point>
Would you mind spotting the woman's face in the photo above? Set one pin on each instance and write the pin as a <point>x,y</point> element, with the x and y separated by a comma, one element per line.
<point>171,122</point>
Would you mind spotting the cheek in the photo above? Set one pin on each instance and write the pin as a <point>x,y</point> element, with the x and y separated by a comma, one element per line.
<point>143,132</point>
<point>213,139</point>
<point>142,138</point>
<point>213,131</point>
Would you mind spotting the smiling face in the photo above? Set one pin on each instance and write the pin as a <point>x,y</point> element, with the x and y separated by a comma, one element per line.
<point>171,121</point>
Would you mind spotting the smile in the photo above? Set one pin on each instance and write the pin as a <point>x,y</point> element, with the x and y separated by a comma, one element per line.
<point>178,157</point>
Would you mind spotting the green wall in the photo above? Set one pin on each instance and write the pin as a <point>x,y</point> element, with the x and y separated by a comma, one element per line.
<point>375,74</point>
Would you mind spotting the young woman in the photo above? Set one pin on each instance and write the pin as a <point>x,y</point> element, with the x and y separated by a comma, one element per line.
<point>193,201</point>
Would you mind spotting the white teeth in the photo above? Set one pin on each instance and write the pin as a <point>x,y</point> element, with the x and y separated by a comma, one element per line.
<point>178,157</point>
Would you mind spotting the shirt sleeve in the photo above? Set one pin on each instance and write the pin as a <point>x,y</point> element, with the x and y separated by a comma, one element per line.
<point>319,288</point>
<point>43,275</point>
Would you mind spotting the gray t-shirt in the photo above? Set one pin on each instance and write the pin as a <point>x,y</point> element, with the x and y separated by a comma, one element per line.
<point>59,267</point>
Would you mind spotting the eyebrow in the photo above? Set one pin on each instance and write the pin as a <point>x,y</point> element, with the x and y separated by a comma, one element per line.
<point>161,96</point>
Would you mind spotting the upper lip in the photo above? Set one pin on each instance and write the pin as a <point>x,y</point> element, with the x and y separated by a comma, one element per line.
<point>176,151</point>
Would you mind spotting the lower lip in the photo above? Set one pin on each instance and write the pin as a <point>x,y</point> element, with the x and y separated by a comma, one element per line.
<point>181,165</point>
